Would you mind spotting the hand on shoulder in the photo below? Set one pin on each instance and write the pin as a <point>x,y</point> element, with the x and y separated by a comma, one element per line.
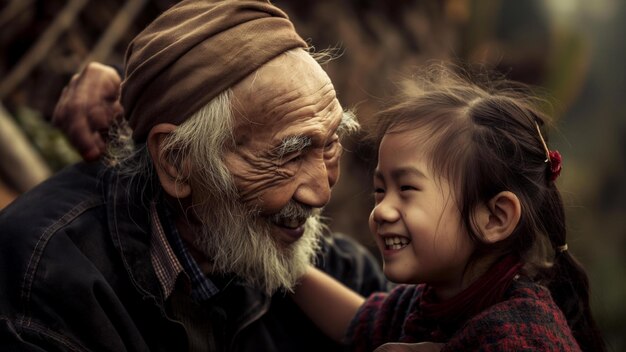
<point>87,107</point>
<point>410,347</point>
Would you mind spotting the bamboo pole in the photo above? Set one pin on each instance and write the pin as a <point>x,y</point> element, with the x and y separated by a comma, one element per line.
<point>13,10</point>
<point>19,161</point>
<point>118,27</point>
<point>42,47</point>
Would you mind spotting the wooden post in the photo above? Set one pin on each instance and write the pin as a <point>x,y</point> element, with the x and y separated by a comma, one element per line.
<point>115,30</point>
<point>42,47</point>
<point>13,10</point>
<point>22,164</point>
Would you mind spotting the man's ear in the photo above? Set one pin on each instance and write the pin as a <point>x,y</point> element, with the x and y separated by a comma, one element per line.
<point>498,218</point>
<point>173,178</point>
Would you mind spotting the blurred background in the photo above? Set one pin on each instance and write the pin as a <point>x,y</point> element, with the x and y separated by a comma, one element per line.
<point>573,50</point>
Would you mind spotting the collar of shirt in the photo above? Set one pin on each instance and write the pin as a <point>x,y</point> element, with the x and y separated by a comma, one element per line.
<point>171,258</point>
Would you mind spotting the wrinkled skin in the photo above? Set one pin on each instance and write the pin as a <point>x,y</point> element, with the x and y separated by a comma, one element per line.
<point>290,96</point>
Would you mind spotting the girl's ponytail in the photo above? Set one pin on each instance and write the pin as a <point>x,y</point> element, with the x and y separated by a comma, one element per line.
<point>567,280</point>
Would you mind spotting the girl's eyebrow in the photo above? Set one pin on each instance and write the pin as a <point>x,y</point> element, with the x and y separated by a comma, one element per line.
<point>407,171</point>
<point>400,172</point>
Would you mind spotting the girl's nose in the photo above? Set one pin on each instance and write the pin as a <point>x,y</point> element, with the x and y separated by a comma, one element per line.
<point>385,211</point>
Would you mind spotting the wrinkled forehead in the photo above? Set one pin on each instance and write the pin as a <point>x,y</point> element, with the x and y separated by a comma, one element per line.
<point>291,88</point>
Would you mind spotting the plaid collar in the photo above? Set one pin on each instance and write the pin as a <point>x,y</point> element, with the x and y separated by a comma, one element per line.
<point>171,259</point>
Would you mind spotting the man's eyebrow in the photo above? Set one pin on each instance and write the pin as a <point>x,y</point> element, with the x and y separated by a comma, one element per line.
<point>298,143</point>
<point>291,144</point>
<point>348,124</point>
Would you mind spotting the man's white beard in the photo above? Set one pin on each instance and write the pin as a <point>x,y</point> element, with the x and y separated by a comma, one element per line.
<point>238,241</point>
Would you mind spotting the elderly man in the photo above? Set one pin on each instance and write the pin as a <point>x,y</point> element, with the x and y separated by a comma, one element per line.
<point>190,235</point>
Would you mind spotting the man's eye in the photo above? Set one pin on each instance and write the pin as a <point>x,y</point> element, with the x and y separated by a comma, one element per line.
<point>332,150</point>
<point>293,158</point>
<point>334,141</point>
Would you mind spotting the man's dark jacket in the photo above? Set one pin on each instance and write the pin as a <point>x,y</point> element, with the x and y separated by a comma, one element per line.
<point>76,275</point>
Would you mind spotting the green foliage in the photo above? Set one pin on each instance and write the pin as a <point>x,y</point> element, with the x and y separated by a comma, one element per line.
<point>49,141</point>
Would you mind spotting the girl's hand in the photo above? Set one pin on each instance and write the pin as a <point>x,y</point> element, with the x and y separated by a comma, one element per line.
<point>410,347</point>
<point>327,302</point>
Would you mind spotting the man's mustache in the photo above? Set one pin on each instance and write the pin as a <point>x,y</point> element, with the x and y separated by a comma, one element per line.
<point>294,210</point>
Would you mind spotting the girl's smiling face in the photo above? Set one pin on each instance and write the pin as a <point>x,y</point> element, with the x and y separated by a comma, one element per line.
<point>416,222</point>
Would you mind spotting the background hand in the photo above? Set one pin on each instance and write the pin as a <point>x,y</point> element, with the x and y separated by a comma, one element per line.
<point>410,347</point>
<point>87,107</point>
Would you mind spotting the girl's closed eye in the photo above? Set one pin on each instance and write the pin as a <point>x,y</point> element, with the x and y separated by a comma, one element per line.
<point>379,194</point>
<point>408,188</point>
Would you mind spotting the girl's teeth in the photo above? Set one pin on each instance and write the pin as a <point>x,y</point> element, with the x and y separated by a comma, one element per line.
<point>396,242</point>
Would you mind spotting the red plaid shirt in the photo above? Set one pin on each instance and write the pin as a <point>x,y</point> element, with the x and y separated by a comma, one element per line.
<point>526,320</point>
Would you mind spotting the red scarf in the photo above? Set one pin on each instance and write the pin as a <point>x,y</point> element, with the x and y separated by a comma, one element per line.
<point>488,290</point>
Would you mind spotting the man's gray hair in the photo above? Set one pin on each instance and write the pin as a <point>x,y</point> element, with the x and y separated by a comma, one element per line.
<point>198,142</point>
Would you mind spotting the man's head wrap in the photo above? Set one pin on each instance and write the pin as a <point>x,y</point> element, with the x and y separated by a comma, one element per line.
<point>195,51</point>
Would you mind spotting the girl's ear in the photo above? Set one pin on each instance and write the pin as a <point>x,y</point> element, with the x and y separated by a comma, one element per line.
<point>173,177</point>
<point>499,217</point>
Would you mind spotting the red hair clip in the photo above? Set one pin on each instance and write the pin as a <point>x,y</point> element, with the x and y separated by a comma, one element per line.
<point>552,156</point>
<point>555,164</point>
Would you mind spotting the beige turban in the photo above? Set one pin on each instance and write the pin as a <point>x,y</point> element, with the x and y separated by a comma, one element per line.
<point>193,52</point>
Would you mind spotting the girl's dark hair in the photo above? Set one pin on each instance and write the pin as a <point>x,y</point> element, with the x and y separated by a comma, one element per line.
<point>485,140</point>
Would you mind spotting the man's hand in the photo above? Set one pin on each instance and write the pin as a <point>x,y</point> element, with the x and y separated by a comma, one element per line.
<point>410,347</point>
<point>87,107</point>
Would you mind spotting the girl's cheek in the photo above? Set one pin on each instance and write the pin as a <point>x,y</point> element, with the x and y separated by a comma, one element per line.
<point>372,225</point>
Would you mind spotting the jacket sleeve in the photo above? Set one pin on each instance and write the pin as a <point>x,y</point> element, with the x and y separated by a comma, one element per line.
<point>352,264</point>
<point>32,338</point>
<point>381,318</point>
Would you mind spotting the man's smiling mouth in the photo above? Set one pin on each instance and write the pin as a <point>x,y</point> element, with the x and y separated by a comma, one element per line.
<point>290,223</point>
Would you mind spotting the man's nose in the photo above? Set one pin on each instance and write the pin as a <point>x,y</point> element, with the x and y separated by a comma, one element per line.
<point>315,187</point>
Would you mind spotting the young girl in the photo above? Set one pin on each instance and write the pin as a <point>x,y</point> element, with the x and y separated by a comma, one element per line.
<point>468,211</point>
